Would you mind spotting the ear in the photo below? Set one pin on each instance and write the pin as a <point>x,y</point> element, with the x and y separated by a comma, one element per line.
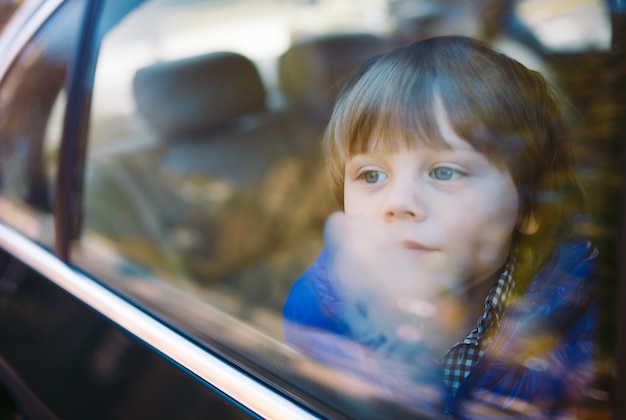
<point>527,225</point>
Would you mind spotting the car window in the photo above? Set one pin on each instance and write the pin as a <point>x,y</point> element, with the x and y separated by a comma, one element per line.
<point>199,170</point>
<point>32,103</point>
<point>205,196</point>
<point>558,25</point>
<point>7,9</point>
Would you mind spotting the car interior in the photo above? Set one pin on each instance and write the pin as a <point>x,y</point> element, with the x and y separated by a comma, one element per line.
<point>236,187</point>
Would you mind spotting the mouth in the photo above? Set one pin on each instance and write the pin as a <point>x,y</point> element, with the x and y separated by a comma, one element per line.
<point>416,246</point>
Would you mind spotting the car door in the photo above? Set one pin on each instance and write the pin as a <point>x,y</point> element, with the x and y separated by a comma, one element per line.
<point>62,351</point>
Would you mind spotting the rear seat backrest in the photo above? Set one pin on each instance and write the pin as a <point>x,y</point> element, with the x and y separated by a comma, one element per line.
<point>313,71</point>
<point>196,94</point>
<point>210,112</point>
<point>255,216</point>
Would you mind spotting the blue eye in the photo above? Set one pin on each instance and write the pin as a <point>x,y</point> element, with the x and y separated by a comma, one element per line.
<point>373,177</point>
<point>445,174</point>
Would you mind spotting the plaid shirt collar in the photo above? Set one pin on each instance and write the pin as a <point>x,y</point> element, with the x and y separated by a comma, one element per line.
<point>461,359</point>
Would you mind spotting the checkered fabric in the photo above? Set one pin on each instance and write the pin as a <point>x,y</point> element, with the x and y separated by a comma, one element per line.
<point>459,361</point>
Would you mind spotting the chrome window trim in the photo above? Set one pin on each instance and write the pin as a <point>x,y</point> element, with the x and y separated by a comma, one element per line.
<point>28,19</point>
<point>248,392</point>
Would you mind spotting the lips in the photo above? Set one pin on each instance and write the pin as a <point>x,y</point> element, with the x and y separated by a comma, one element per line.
<point>416,246</point>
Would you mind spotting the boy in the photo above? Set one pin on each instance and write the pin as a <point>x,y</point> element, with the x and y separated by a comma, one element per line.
<point>455,279</point>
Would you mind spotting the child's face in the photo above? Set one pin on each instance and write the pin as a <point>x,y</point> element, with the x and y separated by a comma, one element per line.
<point>451,210</point>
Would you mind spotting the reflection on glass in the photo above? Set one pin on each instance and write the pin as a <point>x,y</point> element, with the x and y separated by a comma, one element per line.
<point>206,196</point>
<point>32,106</point>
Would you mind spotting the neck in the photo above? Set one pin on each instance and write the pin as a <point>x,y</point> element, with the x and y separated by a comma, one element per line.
<point>461,312</point>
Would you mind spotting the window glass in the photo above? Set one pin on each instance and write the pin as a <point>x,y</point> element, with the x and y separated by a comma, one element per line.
<point>199,171</point>
<point>32,107</point>
<point>205,192</point>
<point>7,8</point>
<point>568,25</point>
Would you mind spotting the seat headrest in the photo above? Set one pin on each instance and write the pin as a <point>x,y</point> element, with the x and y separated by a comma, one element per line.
<point>198,93</point>
<point>313,71</point>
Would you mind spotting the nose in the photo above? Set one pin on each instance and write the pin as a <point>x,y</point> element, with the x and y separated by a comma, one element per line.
<point>404,200</point>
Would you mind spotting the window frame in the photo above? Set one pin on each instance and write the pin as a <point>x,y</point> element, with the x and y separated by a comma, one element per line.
<point>71,154</point>
<point>618,20</point>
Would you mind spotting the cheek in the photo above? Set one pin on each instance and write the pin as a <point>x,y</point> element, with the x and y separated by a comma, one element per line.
<point>350,201</point>
<point>495,236</point>
<point>504,214</point>
<point>499,205</point>
<point>484,224</point>
<point>356,203</point>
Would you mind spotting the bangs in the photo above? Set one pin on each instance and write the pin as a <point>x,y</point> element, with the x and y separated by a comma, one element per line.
<point>386,114</point>
<point>393,106</point>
